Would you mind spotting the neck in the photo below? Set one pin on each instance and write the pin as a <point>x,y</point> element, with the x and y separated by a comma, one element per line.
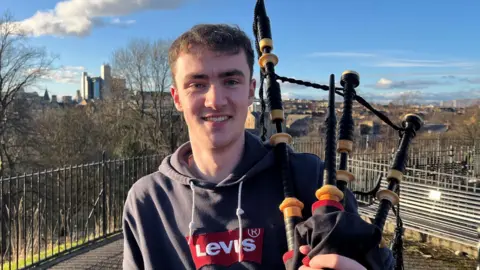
<point>216,164</point>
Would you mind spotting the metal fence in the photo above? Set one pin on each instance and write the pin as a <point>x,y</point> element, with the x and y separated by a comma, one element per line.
<point>434,202</point>
<point>444,205</point>
<point>46,214</point>
<point>460,157</point>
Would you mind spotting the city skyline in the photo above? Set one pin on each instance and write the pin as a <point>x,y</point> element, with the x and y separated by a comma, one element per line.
<point>408,48</point>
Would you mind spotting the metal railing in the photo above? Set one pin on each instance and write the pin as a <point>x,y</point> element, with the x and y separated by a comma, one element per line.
<point>435,199</point>
<point>49,213</point>
<point>443,205</point>
<point>449,156</point>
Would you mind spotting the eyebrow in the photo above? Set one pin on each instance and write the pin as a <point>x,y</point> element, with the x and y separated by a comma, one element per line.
<point>224,74</point>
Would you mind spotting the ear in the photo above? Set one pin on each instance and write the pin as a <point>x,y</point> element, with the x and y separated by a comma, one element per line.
<point>176,98</point>
<point>251,92</point>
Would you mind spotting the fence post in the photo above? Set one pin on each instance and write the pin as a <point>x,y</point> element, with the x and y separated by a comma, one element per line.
<point>104,196</point>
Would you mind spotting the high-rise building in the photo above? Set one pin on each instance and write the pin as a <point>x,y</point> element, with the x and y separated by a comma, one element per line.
<point>97,87</point>
<point>67,99</point>
<point>83,85</point>
<point>106,76</point>
<point>89,88</point>
<point>78,96</point>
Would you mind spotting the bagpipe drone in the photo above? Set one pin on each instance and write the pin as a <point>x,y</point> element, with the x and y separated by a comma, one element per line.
<point>365,239</point>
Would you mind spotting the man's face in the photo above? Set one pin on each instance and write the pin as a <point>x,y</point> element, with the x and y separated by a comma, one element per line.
<point>213,91</point>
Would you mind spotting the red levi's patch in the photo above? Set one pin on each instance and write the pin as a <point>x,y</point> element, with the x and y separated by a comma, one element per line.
<point>223,248</point>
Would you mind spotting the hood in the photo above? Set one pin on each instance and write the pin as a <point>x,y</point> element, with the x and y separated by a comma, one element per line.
<point>256,158</point>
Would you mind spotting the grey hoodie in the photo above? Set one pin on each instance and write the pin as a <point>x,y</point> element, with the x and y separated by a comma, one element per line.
<point>173,220</point>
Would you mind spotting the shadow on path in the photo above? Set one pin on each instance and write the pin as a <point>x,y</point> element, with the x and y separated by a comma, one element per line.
<point>105,254</point>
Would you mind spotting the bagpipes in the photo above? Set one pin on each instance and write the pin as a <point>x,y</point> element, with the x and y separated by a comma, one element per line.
<point>364,239</point>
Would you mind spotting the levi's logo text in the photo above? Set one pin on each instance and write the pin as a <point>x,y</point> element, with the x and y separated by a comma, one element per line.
<point>223,248</point>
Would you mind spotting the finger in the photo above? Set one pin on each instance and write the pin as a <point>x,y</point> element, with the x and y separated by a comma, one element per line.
<point>304,249</point>
<point>334,261</point>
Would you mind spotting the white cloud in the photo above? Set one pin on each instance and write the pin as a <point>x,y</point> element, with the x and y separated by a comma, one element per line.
<point>443,74</point>
<point>421,96</point>
<point>390,58</point>
<point>79,17</point>
<point>303,95</point>
<point>118,21</point>
<point>408,96</point>
<point>384,83</point>
<point>65,74</point>
<point>422,63</point>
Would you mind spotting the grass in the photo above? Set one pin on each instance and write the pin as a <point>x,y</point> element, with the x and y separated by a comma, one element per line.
<point>417,254</point>
<point>51,251</point>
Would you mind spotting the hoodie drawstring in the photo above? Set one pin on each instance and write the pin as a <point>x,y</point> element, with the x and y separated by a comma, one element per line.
<point>240,227</point>
<point>239,213</point>
<point>191,224</point>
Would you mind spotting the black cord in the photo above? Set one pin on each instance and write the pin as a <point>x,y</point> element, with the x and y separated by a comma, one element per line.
<point>358,98</point>
<point>397,241</point>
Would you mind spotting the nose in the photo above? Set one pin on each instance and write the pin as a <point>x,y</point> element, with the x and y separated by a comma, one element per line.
<point>215,97</point>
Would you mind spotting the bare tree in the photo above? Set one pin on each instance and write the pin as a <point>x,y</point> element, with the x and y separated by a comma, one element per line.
<point>407,98</point>
<point>66,136</point>
<point>144,66</point>
<point>469,126</point>
<point>21,66</point>
<point>17,137</point>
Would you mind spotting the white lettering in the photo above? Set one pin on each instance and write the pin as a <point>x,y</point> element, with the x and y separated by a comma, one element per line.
<point>213,248</point>
<point>248,245</point>
<point>237,247</point>
<point>225,248</point>
<point>199,252</point>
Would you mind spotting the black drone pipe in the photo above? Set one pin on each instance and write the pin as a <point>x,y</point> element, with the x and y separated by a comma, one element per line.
<point>333,191</point>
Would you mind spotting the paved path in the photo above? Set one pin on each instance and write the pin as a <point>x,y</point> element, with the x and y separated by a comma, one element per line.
<point>417,256</point>
<point>104,255</point>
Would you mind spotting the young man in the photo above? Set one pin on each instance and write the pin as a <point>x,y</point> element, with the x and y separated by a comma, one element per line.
<point>213,204</point>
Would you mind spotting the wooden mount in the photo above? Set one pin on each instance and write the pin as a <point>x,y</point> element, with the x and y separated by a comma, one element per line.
<point>291,207</point>
<point>415,118</point>
<point>277,114</point>
<point>281,138</point>
<point>389,195</point>
<point>329,192</point>
<point>395,174</point>
<point>353,77</point>
<point>345,176</point>
<point>266,42</point>
<point>267,58</point>
<point>345,146</point>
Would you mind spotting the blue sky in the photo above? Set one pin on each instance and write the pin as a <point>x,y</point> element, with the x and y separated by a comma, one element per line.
<point>429,50</point>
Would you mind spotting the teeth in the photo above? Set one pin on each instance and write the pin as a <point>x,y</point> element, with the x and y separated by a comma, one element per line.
<point>216,119</point>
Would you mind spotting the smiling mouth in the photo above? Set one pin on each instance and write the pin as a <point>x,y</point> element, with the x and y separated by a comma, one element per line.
<point>216,118</point>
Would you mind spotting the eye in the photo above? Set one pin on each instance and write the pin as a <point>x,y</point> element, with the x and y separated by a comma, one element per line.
<point>197,85</point>
<point>231,82</point>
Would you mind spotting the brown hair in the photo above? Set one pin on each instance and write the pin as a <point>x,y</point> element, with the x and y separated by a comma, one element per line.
<point>215,37</point>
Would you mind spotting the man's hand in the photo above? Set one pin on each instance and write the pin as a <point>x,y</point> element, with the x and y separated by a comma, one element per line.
<point>332,261</point>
